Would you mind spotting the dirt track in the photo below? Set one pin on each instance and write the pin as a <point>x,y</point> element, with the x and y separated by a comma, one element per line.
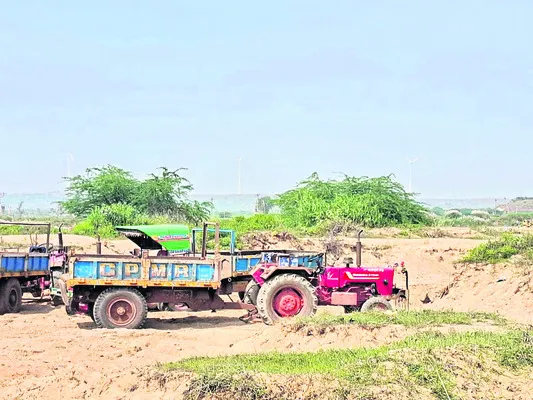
<point>45,354</point>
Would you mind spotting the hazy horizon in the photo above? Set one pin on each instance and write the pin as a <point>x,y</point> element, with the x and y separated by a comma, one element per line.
<point>291,87</point>
<point>233,203</point>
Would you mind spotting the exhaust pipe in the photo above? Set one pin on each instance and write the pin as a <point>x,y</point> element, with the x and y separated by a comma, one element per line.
<point>98,245</point>
<point>60,238</point>
<point>358,247</point>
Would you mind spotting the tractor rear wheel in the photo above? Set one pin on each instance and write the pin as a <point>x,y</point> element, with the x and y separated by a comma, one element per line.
<point>284,296</point>
<point>376,304</point>
<point>120,308</point>
<point>10,296</point>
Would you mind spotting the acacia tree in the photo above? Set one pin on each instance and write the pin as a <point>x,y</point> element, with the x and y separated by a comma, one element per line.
<point>370,202</point>
<point>164,194</point>
<point>98,187</point>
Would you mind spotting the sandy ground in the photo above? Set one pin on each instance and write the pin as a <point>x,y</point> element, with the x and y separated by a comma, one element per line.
<point>45,354</point>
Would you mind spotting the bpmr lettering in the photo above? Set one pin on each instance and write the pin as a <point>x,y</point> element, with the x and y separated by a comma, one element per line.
<point>108,269</point>
<point>181,271</point>
<point>131,269</point>
<point>158,271</point>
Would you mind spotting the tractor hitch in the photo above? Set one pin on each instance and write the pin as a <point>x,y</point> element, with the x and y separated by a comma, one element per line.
<point>251,317</point>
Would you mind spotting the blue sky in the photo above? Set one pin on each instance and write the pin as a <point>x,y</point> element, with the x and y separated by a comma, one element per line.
<point>292,87</point>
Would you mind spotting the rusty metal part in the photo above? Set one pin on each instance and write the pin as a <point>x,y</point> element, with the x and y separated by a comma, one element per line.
<point>98,245</point>
<point>251,317</point>
<point>358,247</point>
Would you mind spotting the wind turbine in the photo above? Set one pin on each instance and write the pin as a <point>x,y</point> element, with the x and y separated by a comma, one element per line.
<point>411,162</point>
<point>70,160</point>
<point>239,176</point>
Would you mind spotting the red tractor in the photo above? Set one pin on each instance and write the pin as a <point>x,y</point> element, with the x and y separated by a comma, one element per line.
<point>282,287</point>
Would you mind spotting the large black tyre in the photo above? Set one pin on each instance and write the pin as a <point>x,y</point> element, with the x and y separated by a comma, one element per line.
<point>91,311</point>
<point>62,286</point>
<point>120,308</point>
<point>251,292</point>
<point>376,304</point>
<point>2,309</point>
<point>56,276</point>
<point>10,296</point>
<point>284,296</point>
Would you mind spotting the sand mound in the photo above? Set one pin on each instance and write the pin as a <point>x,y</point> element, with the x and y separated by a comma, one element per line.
<point>506,289</point>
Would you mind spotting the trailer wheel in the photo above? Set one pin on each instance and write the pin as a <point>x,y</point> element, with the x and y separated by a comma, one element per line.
<point>251,292</point>
<point>286,295</point>
<point>120,308</point>
<point>376,304</point>
<point>10,296</point>
<point>2,308</point>
<point>61,284</point>
<point>91,311</point>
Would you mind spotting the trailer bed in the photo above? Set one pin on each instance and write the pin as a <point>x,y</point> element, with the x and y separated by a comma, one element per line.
<point>14,265</point>
<point>173,271</point>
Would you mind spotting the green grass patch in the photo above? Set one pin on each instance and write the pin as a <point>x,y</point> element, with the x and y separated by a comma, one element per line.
<point>514,218</point>
<point>405,318</point>
<point>245,387</point>
<point>501,249</point>
<point>419,362</point>
<point>509,349</point>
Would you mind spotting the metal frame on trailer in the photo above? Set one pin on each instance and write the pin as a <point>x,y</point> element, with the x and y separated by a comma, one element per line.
<point>204,238</point>
<point>47,224</point>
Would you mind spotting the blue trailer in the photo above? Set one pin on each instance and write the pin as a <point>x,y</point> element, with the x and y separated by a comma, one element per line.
<point>23,272</point>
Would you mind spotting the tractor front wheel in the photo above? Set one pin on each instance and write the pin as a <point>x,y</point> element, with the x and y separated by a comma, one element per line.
<point>376,304</point>
<point>284,296</point>
<point>120,308</point>
<point>10,296</point>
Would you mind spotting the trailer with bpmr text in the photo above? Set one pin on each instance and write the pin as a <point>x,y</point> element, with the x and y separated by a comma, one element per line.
<point>115,290</point>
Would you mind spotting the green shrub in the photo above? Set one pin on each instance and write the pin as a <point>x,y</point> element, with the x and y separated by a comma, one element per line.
<point>438,211</point>
<point>470,221</point>
<point>453,214</point>
<point>513,218</point>
<point>257,222</point>
<point>160,194</point>
<point>501,249</point>
<point>103,220</point>
<point>368,202</point>
<point>11,230</point>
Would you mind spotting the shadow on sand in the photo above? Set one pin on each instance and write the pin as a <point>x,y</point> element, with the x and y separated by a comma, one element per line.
<point>168,324</point>
<point>36,306</point>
